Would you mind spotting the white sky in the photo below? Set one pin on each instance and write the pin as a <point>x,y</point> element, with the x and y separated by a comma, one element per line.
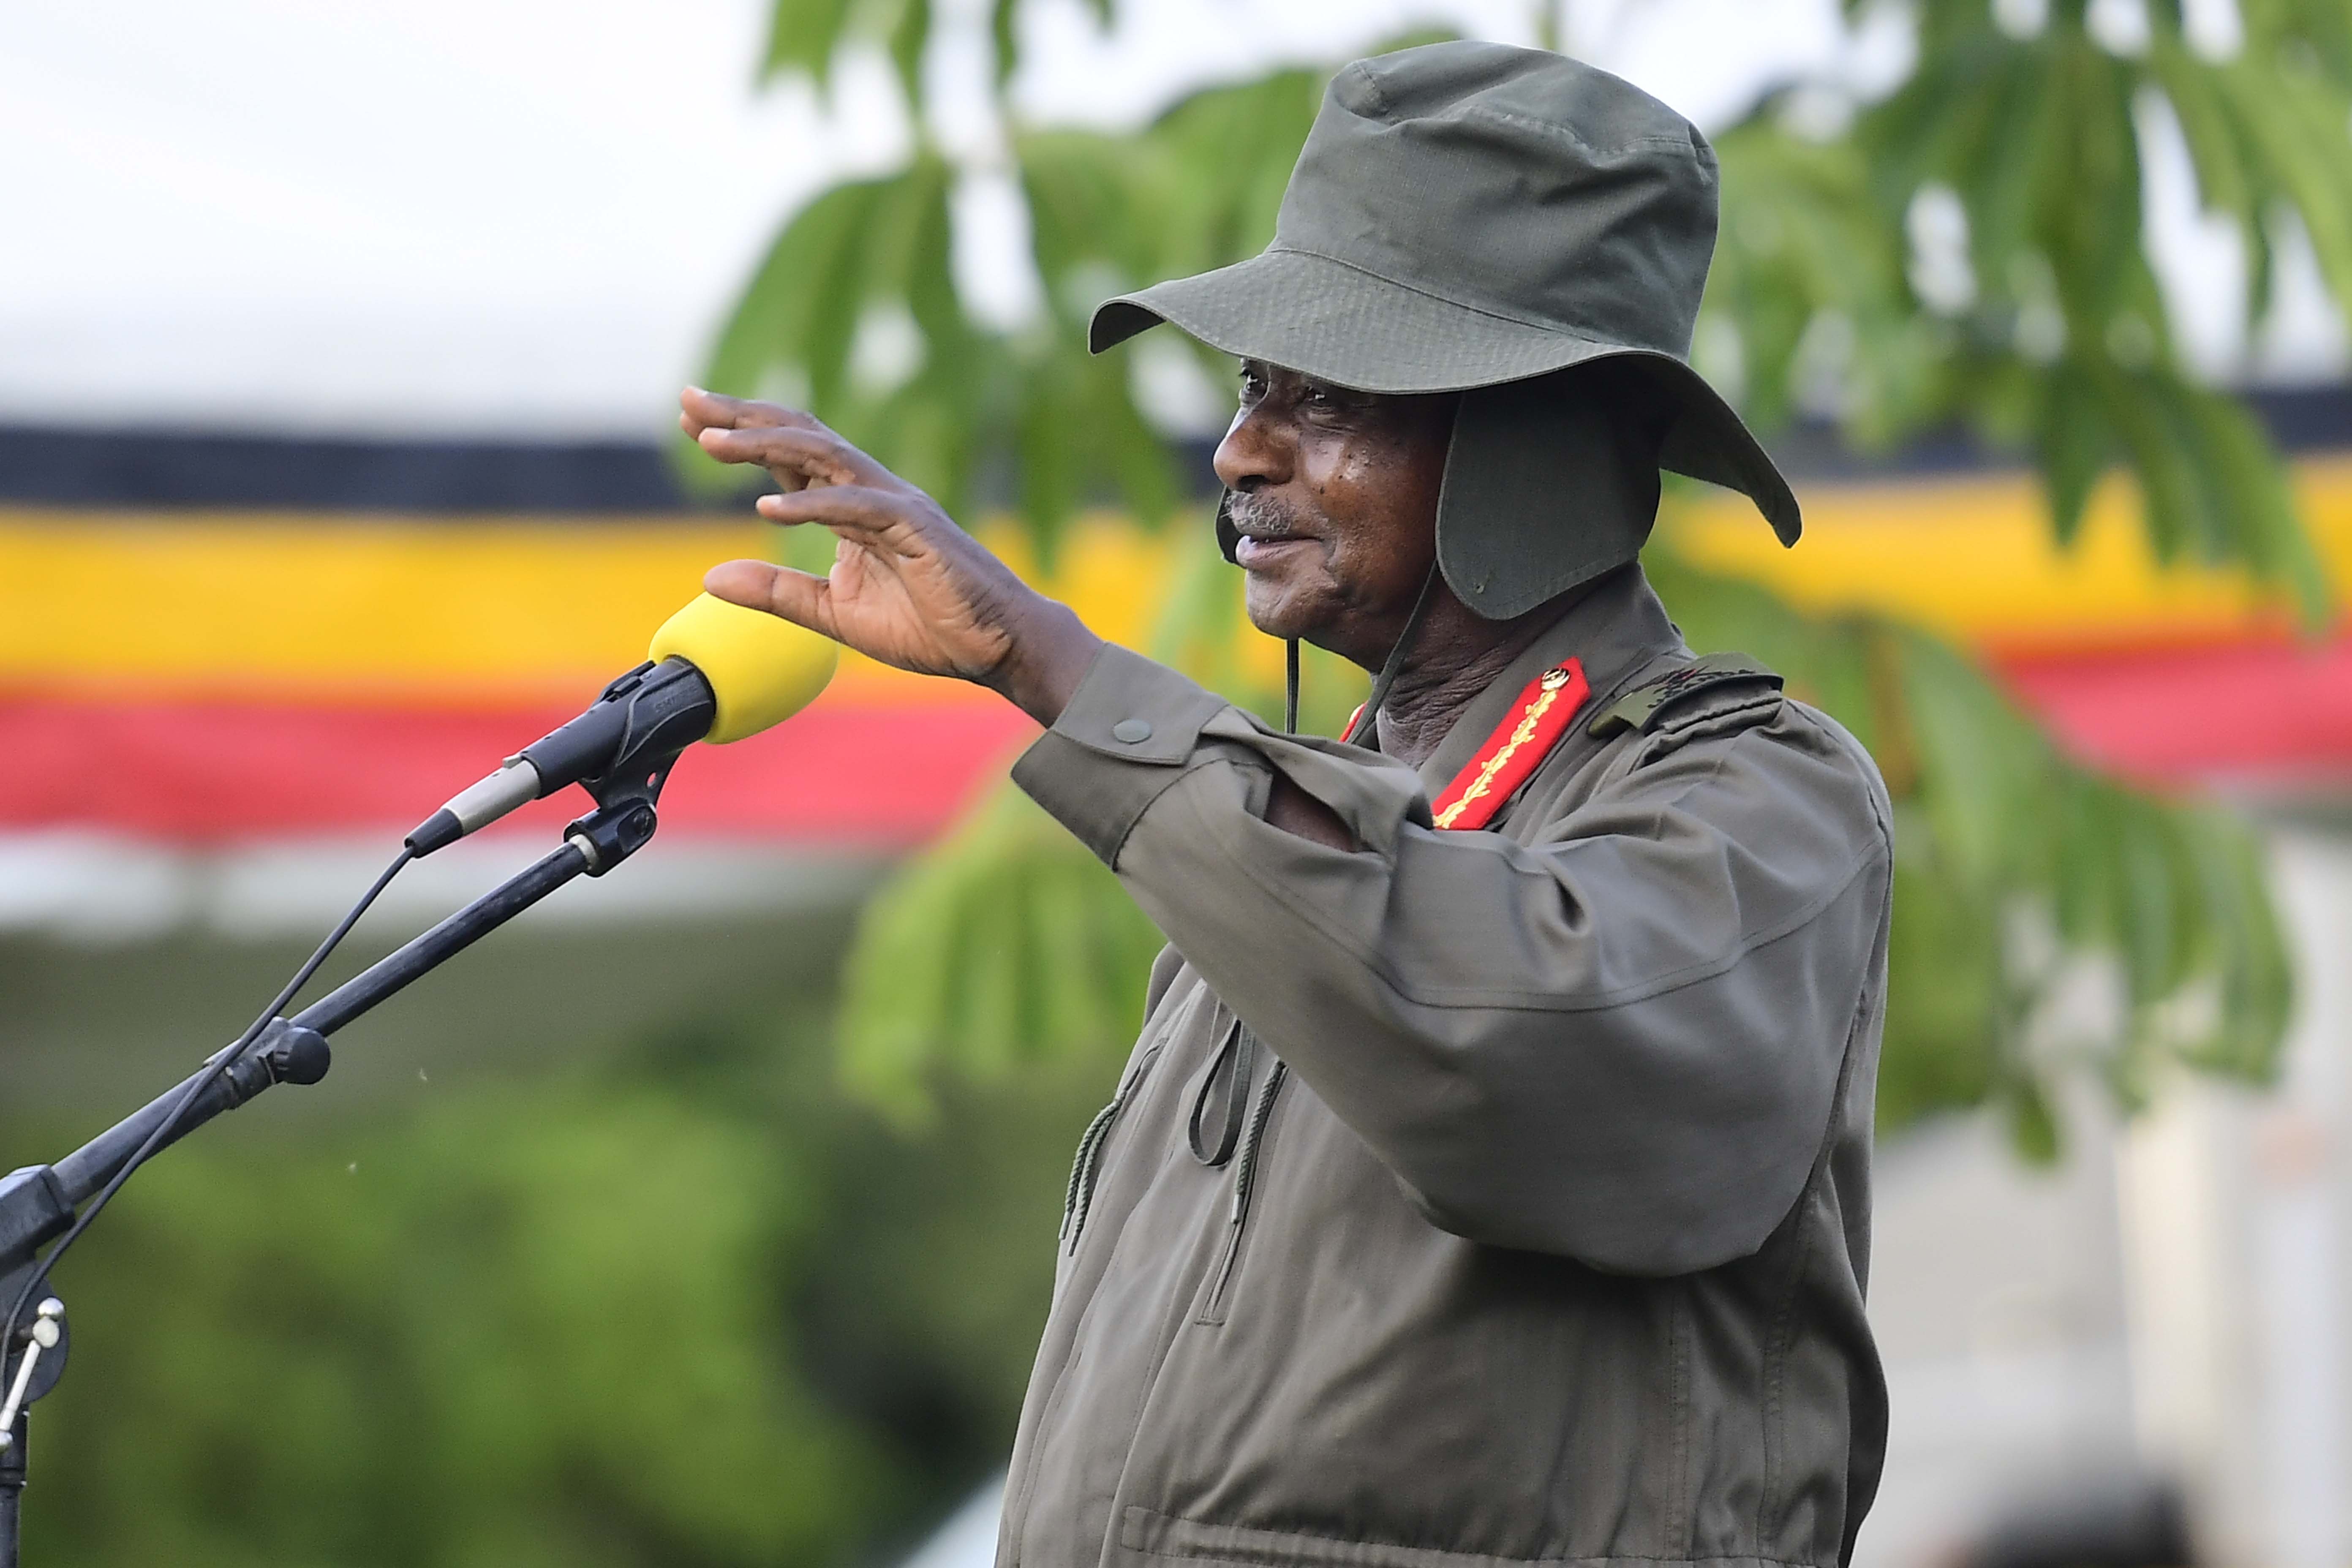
<point>511,216</point>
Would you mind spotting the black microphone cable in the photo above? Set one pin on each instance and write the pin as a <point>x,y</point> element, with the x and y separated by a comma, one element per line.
<point>217,1065</point>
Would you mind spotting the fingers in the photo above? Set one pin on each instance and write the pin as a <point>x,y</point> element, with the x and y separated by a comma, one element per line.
<point>761,585</point>
<point>700,410</point>
<point>846,509</point>
<point>797,456</point>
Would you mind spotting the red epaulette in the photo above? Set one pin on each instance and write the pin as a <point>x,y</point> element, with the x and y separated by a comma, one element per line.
<point>1515,750</point>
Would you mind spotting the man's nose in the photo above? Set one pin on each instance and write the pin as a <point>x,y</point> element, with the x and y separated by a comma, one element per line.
<point>1255,454</point>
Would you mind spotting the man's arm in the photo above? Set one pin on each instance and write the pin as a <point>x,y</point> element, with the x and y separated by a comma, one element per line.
<point>1623,1044</point>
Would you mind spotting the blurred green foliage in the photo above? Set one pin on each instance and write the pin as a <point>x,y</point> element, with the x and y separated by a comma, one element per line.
<point>1967,251</point>
<point>694,1308</point>
<point>2012,866</point>
<point>1972,250</point>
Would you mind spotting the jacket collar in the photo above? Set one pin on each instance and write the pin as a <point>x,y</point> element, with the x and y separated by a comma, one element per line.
<point>1618,628</point>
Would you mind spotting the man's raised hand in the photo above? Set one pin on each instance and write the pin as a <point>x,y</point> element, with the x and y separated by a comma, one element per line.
<point>907,587</point>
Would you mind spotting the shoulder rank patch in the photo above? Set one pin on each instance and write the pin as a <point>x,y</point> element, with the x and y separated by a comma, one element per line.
<point>1644,706</point>
<point>1545,708</point>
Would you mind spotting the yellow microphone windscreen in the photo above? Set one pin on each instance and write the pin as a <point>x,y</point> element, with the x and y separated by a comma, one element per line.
<point>763,668</point>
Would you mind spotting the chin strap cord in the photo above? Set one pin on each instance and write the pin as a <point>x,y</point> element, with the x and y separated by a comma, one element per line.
<point>1368,715</point>
<point>1290,686</point>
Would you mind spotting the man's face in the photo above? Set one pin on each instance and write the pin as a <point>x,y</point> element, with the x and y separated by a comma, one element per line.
<point>1335,497</point>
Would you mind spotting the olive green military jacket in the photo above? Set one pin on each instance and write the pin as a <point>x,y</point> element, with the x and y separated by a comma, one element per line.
<point>1473,1198</point>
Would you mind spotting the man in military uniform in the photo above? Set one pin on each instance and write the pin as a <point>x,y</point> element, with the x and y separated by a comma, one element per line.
<point>1490,1183</point>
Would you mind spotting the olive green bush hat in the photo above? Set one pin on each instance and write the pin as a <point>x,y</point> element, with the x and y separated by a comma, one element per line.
<point>1477,218</point>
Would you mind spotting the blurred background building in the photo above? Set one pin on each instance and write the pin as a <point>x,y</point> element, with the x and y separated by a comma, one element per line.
<point>337,349</point>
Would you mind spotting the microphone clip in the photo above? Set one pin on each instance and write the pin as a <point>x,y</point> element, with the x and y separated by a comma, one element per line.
<point>665,707</point>
<point>656,699</point>
<point>634,735</point>
<point>611,834</point>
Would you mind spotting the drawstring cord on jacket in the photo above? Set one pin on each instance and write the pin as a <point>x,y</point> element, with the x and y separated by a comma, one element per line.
<point>1236,1065</point>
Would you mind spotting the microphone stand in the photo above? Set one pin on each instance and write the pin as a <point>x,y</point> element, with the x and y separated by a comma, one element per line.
<point>37,1202</point>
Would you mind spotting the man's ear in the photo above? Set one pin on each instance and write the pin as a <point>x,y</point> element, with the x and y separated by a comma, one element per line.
<point>1549,482</point>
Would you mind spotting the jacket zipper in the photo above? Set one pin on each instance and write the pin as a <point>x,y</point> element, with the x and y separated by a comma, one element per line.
<point>1244,1184</point>
<point>1080,1194</point>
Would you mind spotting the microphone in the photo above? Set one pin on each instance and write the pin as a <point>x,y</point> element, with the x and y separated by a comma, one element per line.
<point>715,671</point>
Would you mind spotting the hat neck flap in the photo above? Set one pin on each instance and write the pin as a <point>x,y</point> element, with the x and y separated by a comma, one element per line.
<point>1542,492</point>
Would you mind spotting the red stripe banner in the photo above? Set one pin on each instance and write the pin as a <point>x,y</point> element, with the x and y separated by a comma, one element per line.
<point>217,772</point>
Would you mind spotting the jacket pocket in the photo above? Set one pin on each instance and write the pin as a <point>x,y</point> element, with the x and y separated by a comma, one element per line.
<point>1080,1194</point>
<point>1146,1535</point>
<point>1245,1170</point>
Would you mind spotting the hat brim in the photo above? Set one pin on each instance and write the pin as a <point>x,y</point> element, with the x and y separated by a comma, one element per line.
<point>1339,323</point>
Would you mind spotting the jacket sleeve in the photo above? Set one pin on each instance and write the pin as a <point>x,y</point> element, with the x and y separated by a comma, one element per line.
<point>1620,1043</point>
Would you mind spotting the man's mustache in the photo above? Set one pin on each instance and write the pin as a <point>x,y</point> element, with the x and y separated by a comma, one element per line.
<point>1260,517</point>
